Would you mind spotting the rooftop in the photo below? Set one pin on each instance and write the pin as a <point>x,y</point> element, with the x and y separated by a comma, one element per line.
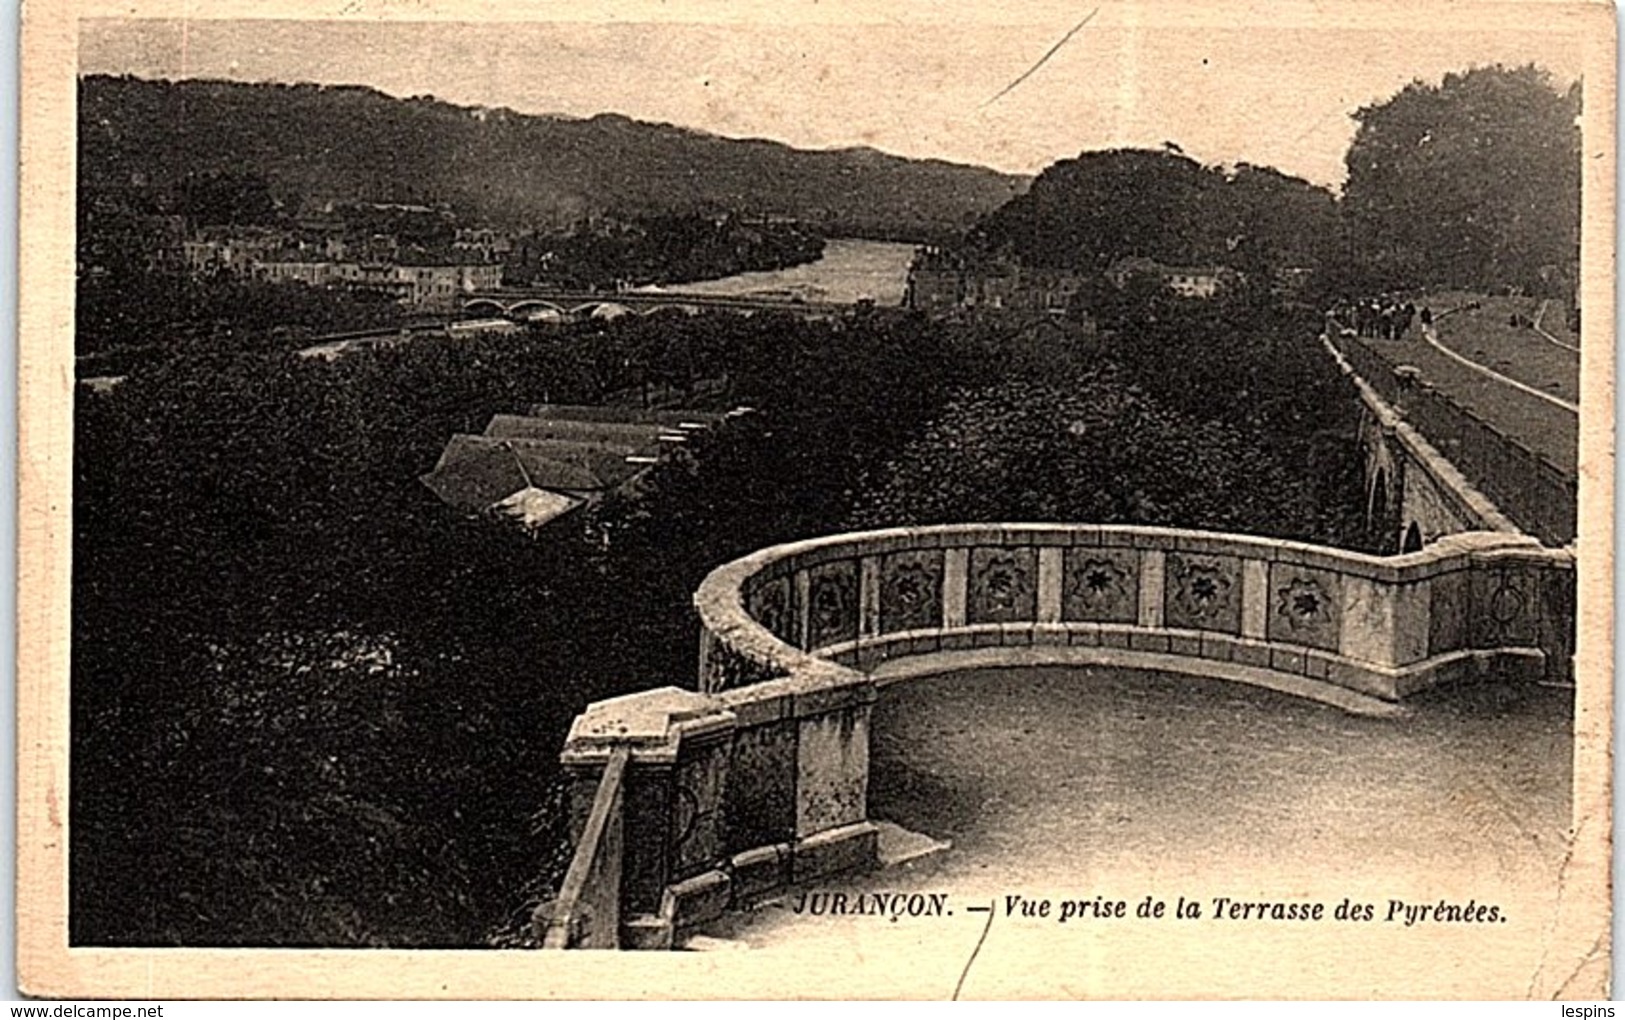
<point>571,452</point>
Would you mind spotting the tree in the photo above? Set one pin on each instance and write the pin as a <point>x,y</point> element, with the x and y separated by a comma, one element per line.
<point>1085,213</point>
<point>1474,182</point>
<point>217,197</point>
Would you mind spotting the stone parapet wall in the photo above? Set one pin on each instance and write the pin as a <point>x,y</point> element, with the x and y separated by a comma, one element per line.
<point>1382,626</point>
<point>1541,496</point>
<point>760,778</point>
<point>729,796</point>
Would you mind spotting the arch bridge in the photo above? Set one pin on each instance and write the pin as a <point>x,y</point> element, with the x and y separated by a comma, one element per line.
<point>579,306</point>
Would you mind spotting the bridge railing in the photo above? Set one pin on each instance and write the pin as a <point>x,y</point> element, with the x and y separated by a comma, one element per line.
<point>1541,497</point>
<point>1376,370</point>
<point>760,777</point>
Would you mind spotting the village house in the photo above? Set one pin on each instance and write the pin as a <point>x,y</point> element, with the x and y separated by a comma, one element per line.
<point>1199,282</point>
<point>534,468</point>
<point>416,280</point>
<point>230,250</point>
<point>941,282</point>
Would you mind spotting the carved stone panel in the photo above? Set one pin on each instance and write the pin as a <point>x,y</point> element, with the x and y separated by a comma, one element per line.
<point>1447,613</point>
<point>760,808</point>
<point>911,591</point>
<point>772,604</point>
<point>1203,593</point>
<point>1100,585</point>
<point>832,603</point>
<point>1504,606</point>
<point>1305,606</point>
<point>699,784</point>
<point>1003,585</point>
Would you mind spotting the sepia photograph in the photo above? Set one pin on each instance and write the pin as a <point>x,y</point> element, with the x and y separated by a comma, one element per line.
<point>817,500</point>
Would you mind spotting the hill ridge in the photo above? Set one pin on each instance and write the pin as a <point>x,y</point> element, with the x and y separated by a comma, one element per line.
<point>318,142</point>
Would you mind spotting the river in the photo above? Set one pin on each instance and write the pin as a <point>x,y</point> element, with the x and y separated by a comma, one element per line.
<point>849,271</point>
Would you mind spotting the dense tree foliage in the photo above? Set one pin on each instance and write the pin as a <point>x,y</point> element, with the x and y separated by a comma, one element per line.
<point>1253,365</point>
<point>1083,445</point>
<point>1474,182</point>
<point>1222,415</point>
<point>1087,212</point>
<point>132,313</point>
<point>310,705</point>
<point>223,197</point>
<point>660,249</point>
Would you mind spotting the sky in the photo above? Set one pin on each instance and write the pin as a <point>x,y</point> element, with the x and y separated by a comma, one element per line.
<point>919,86</point>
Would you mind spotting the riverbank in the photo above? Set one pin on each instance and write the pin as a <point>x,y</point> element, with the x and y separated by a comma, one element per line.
<point>850,270</point>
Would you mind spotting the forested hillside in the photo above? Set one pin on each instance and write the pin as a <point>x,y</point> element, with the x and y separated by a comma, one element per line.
<point>318,143</point>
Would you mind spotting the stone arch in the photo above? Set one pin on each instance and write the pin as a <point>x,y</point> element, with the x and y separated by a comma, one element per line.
<point>1412,542</point>
<point>534,305</point>
<point>683,308</point>
<point>1383,509</point>
<point>485,306</point>
<point>1380,498</point>
<point>600,310</point>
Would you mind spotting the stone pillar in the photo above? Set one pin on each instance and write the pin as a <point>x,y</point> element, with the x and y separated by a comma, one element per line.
<point>1049,584</point>
<point>679,743</point>
<point>955,570</point>
<point>868,597</point>
<point>760,808</point>
<point>1153,583</point>
<point>803,602</point>
<point>1255,599</point>
<point>833,832</point>
<point>1367,622</point>
<point>1557,622</point>
<point>708,646</point>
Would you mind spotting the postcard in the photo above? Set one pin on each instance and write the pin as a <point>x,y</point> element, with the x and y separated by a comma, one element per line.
<point>816,500</point>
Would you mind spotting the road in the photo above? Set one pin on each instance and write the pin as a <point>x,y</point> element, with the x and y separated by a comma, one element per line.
<point>1513,378</point>
<point>1530,357</point>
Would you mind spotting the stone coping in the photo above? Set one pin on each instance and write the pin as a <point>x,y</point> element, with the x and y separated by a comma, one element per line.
<point>1040,655</point>
<point>802,682</point>
<point>651,724</point>
<point>774,561</point>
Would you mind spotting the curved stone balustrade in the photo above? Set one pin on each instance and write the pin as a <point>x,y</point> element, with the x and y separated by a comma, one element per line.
<point>760,778</point>
<point>1384,627</point>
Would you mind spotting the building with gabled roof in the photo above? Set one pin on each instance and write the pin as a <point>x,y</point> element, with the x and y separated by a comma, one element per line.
<point>534,469</point>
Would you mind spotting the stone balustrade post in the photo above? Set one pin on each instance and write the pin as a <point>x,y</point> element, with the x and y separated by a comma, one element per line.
<point>674,784</point>
<point>1153,587</point>
<point>955,575</point>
